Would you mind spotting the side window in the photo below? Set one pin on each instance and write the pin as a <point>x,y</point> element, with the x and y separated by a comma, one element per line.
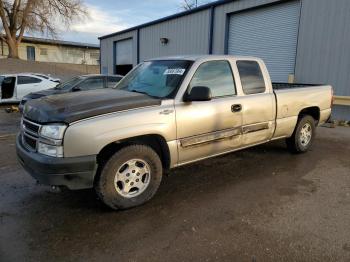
<point>23,80</point>
<point>252,78</point>
<point>91,83</point>
<point>216,75</point>
<point>112,81</point>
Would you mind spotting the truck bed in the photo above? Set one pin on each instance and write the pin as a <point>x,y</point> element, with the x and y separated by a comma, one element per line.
<point>279,86</point>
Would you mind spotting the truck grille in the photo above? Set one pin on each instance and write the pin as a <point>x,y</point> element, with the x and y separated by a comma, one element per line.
<point>30,134</point>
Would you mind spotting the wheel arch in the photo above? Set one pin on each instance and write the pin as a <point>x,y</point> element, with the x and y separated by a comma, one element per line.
<point>313,111</point>
<point>155,141</point>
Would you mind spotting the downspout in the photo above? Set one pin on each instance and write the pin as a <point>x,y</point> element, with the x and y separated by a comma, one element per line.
<point>211,30</point>
<point>138,46</point>
<point>100,62</point>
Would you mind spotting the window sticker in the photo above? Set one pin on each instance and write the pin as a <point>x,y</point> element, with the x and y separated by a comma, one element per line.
<point>174,71</point>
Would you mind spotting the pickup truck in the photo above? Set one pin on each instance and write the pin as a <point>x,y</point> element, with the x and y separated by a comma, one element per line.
<point>165,113</point>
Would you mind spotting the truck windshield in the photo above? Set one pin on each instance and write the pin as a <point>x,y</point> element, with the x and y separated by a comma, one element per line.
<point>159,79</point>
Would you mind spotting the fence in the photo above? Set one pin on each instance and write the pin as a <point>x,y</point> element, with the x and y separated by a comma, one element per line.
<point>62,71</point>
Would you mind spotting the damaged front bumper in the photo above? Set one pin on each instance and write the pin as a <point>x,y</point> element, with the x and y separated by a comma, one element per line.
<point>73,172</point>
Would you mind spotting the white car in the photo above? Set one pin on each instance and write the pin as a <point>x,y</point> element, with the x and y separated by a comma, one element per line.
<point>49,77</point>
<point>13,87</point>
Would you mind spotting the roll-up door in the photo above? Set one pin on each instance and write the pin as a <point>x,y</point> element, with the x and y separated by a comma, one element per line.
<point>124,56</point>
<point>269,33</point>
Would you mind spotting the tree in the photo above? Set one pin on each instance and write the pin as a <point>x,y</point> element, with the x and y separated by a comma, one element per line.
<point>43,16</point>
<point>190,4</point>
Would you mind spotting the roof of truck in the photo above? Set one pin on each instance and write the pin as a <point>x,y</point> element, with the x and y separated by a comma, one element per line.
<point>203,57</point>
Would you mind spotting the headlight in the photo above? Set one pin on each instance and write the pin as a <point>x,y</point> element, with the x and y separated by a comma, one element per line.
<point>54,131</point>
<point>50,150</point>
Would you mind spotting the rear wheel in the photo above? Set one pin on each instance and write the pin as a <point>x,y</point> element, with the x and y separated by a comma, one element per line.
<point>130,177</point>
<point>303,135</point>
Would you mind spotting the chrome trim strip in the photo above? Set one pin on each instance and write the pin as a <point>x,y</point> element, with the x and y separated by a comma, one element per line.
<point>222,134</point>
<point>218,154</point>
<point>210,137</point>
<point>254,128</point>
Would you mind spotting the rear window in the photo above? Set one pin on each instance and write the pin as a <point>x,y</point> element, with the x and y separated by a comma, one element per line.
<point>252,78</point>
<point>22,80</point>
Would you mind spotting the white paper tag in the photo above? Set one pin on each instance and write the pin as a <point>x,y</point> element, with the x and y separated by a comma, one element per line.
<point>174,71</point>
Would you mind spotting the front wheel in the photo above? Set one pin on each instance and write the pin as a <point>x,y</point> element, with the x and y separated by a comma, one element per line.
<point>130,177</point>
<point>303,135</point>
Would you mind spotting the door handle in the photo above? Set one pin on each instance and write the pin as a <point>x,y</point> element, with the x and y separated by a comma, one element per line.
<point>236,108</point>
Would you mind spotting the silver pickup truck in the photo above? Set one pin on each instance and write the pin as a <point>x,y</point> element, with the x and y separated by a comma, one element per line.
<point>165,113</point>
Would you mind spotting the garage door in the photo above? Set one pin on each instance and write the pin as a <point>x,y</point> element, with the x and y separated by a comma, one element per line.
<point>269,33</point>
<point>124,57</point>
<point>124,52</point>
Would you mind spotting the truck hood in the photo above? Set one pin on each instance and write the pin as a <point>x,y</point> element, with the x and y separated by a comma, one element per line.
<point>71,107</point>
<point>47,92</point>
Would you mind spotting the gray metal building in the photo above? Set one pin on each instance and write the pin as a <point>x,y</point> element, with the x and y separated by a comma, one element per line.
<point>305,39</point>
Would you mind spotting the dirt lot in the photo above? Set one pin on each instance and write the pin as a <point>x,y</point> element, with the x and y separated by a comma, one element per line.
<point>260,204</point>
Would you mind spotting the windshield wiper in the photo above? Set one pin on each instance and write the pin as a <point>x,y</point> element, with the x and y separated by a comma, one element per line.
<point>142,92</point>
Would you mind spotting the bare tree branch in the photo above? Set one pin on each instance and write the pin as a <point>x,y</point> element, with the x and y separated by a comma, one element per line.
<point>190,4</point>
<point>43,16</point>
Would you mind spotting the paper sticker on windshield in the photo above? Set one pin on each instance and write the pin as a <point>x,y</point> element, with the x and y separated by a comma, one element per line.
<point>174,71</point>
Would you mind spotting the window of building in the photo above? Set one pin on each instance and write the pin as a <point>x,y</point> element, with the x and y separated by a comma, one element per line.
<point>95,55</point>
<point>252,78</point>
<point>30,53</point>
<point>43,51</point>
<point>217,76</point>
<point>75,53</point>
<point>23,80</point>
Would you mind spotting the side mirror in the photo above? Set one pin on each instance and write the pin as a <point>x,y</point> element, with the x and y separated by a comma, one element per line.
<point>76,89</point>
<point>198,93</point>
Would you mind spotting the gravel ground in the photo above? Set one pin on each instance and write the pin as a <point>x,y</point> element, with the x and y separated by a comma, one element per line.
<point>260,204</point>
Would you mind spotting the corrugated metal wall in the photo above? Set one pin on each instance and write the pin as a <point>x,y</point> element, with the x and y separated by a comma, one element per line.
<point>187,35</point>
<point>324,47</point>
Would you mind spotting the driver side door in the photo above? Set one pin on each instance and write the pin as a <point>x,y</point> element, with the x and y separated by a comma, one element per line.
<point>207,128</point>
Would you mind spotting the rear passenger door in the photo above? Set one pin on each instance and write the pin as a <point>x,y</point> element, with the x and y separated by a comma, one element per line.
<point>258,103</point>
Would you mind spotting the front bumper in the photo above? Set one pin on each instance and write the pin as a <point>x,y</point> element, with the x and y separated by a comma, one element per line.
<point>73,172</point>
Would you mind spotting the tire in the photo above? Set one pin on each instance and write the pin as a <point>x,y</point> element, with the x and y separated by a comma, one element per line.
<point>300,142</point>
<point>124,183</point>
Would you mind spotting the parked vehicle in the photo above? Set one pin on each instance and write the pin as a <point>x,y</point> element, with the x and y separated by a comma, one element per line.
<point>165,113</point>
<point>49,77</point>
<point>79,83</point>
<point>15,86</point>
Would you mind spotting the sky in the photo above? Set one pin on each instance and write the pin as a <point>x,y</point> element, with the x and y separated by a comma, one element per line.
<point>108,16</point>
